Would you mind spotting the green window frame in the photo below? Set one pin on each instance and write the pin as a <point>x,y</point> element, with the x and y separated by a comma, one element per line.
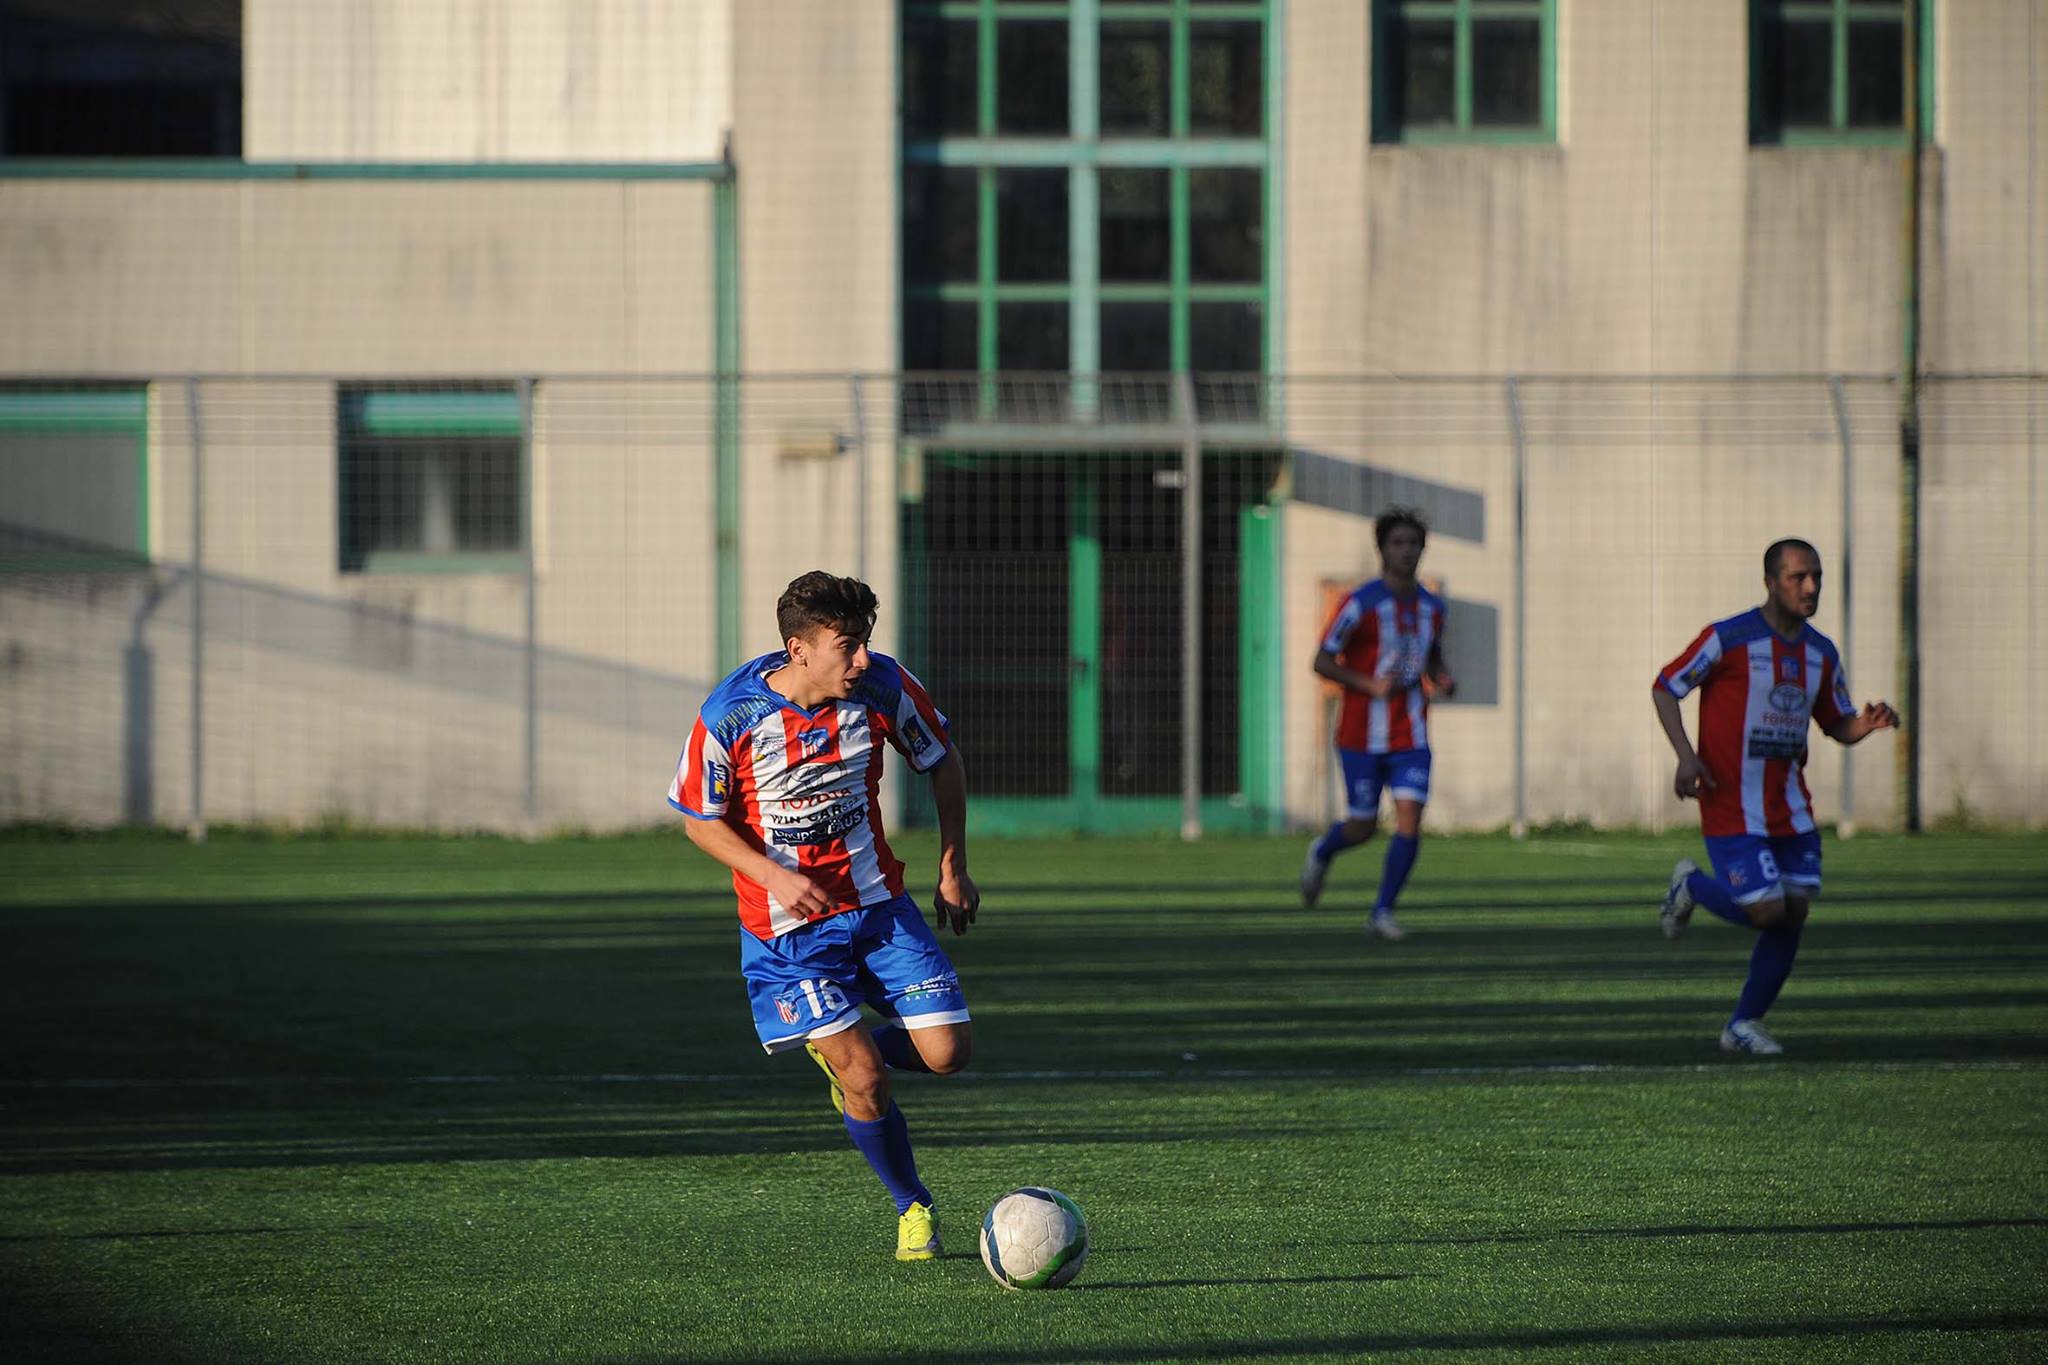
<point>1846,30</point>
<point>983,287</point>
<point>39,527</point>
<point>430,478</point>
<point>1466,26</point>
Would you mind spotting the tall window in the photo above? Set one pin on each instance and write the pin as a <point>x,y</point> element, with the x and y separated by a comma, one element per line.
<point>430,479</point>
<point>1464,70</point>
<point>1085,185</point>
<point>1830,70</point>
<point>120,79</point>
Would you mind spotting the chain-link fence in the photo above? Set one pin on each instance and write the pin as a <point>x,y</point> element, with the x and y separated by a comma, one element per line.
<point>496,604</point>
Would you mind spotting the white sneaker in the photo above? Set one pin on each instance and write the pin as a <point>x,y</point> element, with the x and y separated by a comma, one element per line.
<point>1676,911</point>
<point>1313,870</point>
<point>1747,1035</point>
<point>1384,925</point>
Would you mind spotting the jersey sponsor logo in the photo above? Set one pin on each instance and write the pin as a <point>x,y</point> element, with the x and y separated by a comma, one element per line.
<point>717,780</point>
<point>1775,744</point>
<point>1697,671</point>
<point>1789,697</point>
<point>825,829</point>
<point>741,718</point>
<point>918,738</point>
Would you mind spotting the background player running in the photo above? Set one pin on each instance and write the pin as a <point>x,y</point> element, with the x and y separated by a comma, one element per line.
<point>1385,648</point>
<point>779,780</point>
<point>1761,676</point>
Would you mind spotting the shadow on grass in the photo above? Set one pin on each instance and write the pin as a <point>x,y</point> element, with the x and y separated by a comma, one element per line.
<point>1098,1285</point>
<point>1682,1230</point>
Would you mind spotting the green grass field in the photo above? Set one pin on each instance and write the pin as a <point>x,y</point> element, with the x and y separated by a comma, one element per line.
<point>484,1101</point>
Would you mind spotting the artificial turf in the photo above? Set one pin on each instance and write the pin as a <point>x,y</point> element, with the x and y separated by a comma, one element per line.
<point>478,1100</point>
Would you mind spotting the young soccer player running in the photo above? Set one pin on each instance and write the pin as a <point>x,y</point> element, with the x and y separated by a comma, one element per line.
<point>1385,648</point>
<point>779,780</point>
<point>1761,676</point>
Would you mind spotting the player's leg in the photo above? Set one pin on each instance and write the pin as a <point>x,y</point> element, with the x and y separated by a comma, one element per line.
<point>1789,869</point>
<point>1724,892</point>
<point>1363,776</point>
<point>1408,780</point>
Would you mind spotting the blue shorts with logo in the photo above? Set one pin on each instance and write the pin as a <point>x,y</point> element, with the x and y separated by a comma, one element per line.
<point>812,981</point>
<point>1756,868</point>
<point>1405,774</point>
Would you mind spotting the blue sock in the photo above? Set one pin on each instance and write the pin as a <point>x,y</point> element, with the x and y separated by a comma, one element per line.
<point>885,1142</point>
<point>898,1051</point>
<point>1331,844</point>
<point>1709,894</point>
<point>1770,962</point>
<point>1401,851</point>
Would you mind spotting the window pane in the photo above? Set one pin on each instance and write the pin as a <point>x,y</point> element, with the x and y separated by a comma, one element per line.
<point>1031,225</point>
<point>940,209</point>
<point>1507,89</point>
<point>1136,228</point>
<point>1031,336</point>
<point>1877,74</point>
<point>1419,70</point>
<point>1224,336</point>
<point>483,483</point>
<point>1136,337</point>
<point>1031,76</point>
<point>1805,56</point>
<point>1134,88</point>
<point>1225,231</point>
<point>940,65</point>
<point>1225,82</point>
<point>939,336</point>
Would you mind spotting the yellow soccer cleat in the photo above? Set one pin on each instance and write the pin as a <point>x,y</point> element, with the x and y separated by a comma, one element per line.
<point>917,1234</point>
<point>838,1095</point>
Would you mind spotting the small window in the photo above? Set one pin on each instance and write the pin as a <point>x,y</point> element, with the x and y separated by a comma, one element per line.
<point>1464,71</point>
<point>431,480</point>
<point>1829,70</point>
<point>74,465</point>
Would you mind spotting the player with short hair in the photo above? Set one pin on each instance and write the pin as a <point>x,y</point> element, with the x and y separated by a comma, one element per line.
<point>1761,676</point>
<point>1385,649</point>
<point>779,780</point>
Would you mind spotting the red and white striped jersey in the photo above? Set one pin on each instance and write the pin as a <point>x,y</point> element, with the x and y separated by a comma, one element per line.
<point>1758,691</point>
<point>1384,636</point>
<point>800,785</point>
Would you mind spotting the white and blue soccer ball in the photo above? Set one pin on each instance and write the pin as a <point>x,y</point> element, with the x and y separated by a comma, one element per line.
<point>1034,1238</point>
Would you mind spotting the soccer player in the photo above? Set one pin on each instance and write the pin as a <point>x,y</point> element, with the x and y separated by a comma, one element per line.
<point>1385,648</point>
<point>779,780</point>
<point>1761,676</point>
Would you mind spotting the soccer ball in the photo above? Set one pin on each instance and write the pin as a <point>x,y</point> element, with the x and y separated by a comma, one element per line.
<point>1034,1238</point>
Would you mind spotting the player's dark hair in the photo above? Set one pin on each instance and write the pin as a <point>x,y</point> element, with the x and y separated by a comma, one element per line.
<point>822,599</point>
<point>1777,552</point>
<point>1384,525</point>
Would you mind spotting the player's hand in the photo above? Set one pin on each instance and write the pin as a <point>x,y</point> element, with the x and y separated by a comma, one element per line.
<point>1878,715</point>
<point>1379,688</point>
<point>1692,778</point>
<point>798,893</point>
<point>1440,685</point>
<point>955,901</point>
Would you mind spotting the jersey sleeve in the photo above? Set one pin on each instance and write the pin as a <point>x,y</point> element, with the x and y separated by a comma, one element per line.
<point>1834,704</point>
<point>1343,625</point>
<point>702,786</point>
<point>916,726</point>
<point>1691,667</point>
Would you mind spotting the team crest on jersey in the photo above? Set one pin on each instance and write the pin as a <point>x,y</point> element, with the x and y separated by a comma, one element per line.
<point>1788,669</point>
<point>1737,878</point>
<point>813,742</point>
<point>785,1005</point>
<point>717,780</point>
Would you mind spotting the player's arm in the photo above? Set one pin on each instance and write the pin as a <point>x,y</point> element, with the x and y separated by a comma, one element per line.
<point>1327,665</point>
<point>958,898</point>
<point>1875,716</point>
<point>1441,686</point>
<point>792,888</point>
<point>1692,774</point>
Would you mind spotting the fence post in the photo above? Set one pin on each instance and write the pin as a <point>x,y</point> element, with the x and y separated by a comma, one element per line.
<point>196,822</point>
<point>1519,826</point>
<point>1845,826</point>
<point>528,491</point>
<point>860,480</point>
<point>1191,610</point>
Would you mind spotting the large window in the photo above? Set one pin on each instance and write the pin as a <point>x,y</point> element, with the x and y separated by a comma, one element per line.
<point>1086,186</point>
<point>74,476</point>
<point>431,479</point>
<point>120,79</point>
<point>1464,71</point>
<point>1831,70</point>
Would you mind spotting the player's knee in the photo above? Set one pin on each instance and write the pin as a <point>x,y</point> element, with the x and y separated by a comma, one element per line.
<point>947,1051</point>
<point>865,1083</point>
<point>1408,824</point>
<point>1767,914</point>
<point>1796,908</point>
<point>1358,831</point>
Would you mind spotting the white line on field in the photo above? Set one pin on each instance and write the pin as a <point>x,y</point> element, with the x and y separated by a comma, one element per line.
<point>1178,1074</point>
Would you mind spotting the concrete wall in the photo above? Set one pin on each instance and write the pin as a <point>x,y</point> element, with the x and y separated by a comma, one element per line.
<point>486,80</point>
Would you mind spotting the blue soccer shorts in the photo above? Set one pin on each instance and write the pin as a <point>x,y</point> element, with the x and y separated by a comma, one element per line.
<point>812,981</point>
<point>1756,868</point>
<point>1405,774</point>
